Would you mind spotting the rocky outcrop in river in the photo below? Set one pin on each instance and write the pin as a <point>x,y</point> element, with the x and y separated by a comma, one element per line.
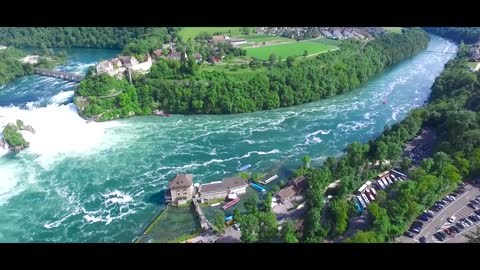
<point>13,138</point>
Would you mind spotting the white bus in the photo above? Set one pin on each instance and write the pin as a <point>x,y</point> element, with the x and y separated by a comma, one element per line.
<point>365,198</point>
<point>399,173</point>
<point>362,188</point>
<point>359,198</point>
<point>381,184</point>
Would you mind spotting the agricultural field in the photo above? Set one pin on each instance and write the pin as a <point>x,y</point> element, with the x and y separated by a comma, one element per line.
<point>191,32</point>
<point>288,49</point>
<point>397,30</point>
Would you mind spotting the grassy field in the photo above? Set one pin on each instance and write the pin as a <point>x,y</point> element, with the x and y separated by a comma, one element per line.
<point>191,32</point>
<point>265,38</point>
<point>326,41</point>
<point>288,49</point>
<point>397,30</point>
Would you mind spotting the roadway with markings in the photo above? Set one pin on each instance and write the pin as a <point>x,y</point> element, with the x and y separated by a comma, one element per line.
<point>457,208</point>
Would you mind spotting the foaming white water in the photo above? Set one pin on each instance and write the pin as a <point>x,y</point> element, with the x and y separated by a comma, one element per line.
<point>193,166</point>
<point>8,181</point>
<point>58,130</point>
<point>62,97</point>
<point>116,197</point>
<point>323,132</point>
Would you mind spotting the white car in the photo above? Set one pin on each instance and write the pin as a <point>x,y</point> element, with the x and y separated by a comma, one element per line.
<point>451,219</point>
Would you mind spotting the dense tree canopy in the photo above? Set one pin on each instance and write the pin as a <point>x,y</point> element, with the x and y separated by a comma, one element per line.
<point>10,66</point>
<point>458,34</point>
<point>66,37</point>
<point>179,87</point>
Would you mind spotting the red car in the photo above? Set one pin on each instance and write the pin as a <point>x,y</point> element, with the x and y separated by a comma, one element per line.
<point>449,232</point>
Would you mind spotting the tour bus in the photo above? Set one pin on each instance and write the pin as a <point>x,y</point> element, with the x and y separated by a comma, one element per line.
<point>358,206</point>
<point>381,184</point>
<point>389,180</point>
<point>385,182</point>
<point>399,173</point>
<point>365,198</point>
<point>362,188</point>
<point>369,195</point>
<point>360,200</point>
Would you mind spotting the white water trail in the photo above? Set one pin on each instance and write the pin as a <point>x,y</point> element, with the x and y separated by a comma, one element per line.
<point>59,130</point>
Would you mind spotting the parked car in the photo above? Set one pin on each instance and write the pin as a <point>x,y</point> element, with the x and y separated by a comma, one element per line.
<point>429,214</point>
<point>423,239</point>
<point>460,225</point>
<point>471,205</point>
<point>472,218</point>
<point>443,234</point>
<point>473,202</point>
<point>417,224</point>
<point>414,230</point>
<point>465,224</point>
<point>423,217</point>
<point>469,222</point>
<point>451,219</point>
<point>454,229</point>
<point>409,234</point>
<point>448,232</point>
<point>439,236</point>
<point>477,212</point>
<point>447,199</point>
<point>453,195</point>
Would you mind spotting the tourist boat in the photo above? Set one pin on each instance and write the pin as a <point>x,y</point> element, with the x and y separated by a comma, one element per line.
<point>231,203</point>
<point>270,179</point>
<point>244,167</point>
<point>215,204</point>
<point>257,187</point>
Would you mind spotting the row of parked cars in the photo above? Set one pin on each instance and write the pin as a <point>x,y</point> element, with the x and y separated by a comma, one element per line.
<point>418,152</point>
<point>417,226</point>
<point>463,223</point>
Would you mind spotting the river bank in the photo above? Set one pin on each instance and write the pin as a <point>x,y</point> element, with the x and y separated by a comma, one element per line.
<point>100,182</point>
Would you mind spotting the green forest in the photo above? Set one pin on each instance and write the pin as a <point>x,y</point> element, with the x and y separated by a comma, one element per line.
<point>10,67</point>
<point>184,87</point>
<point>454,112</point>
<point>458,34</point>
<point>67,37</point>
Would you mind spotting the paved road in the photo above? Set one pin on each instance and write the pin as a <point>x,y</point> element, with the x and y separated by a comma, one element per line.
<point>458,208</point>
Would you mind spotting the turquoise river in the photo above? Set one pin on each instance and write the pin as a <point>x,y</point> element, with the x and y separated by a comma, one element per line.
<point>102,182</point>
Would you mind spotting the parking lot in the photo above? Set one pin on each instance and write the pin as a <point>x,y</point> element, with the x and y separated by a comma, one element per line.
<point>457,208</point>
